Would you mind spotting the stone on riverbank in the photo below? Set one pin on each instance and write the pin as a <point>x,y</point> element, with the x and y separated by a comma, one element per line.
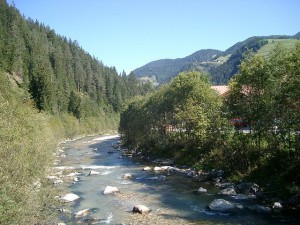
<point>140,209</point>
<point>73,174</point>
<point>70,197</point>
<point>58,181</point>
<point>92,172</point>
<point>82,213</point>
<point>110,190</point>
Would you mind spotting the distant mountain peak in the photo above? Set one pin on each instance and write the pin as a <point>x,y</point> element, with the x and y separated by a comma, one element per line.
<point>165,69</point>
<point>221,66</point>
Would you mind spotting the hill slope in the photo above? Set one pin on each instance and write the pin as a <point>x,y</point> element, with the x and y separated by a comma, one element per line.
<point>221,66</point>
<point>60,76</point>
<point>165,69</point>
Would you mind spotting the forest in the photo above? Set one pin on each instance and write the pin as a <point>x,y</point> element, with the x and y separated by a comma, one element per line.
<point>188,121</point>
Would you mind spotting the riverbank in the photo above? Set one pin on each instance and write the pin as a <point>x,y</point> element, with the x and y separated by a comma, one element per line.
<point>266,202</point>
<point>172,195</point>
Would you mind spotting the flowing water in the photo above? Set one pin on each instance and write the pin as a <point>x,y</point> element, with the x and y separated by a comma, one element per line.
<point>172,201</point>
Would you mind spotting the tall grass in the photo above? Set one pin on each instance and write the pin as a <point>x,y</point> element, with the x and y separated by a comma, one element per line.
<point>27,143</point>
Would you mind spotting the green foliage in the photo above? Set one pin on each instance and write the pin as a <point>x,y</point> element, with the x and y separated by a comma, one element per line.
<point>28,140</point>
<point>265,94</point>
<point>187,120</point>
<point>180,119</point>
<point>25,154</point>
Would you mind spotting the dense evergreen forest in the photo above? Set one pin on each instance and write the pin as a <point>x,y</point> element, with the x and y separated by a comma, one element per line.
<point>60,76</point>
<point>188,121</point>
<point>50,90</point>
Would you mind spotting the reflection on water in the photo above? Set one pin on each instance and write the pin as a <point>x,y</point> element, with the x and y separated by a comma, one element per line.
<point>171,201</point>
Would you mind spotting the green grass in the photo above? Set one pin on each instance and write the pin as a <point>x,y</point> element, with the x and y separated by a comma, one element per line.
<point>272,43</point>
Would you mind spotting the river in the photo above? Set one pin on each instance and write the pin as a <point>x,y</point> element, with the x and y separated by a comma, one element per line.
<point>172,201</point>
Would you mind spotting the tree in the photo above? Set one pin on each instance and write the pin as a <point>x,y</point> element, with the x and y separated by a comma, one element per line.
<point>180,116</point>
<point>75,105</point>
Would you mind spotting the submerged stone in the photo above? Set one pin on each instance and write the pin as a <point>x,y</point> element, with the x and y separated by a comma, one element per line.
<point>222,205</point>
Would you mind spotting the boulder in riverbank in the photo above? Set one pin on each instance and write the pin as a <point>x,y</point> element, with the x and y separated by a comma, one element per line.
<point>70,197</point>
<point>93,172</point>
<point>58,181</point>
<point>140,209</point>
<point>82,213</point>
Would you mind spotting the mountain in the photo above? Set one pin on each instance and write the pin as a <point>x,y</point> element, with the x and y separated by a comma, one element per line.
<point>220,66</point>
<point>165,69</point>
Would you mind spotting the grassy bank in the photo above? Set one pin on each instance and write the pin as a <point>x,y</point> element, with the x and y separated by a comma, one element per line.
<point>28,140</point>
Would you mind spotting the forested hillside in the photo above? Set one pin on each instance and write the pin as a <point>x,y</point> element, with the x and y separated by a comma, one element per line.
<point>165,69</point>
<point>220,66</point>
<point>59,74</point>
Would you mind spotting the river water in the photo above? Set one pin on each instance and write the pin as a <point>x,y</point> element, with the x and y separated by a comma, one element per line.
<point>172,201</point>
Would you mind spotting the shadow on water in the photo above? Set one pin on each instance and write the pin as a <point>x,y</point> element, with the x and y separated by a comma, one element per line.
<point>173,199</point>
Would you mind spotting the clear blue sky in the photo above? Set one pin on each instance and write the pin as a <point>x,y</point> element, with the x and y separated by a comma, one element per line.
<point>130,33</point>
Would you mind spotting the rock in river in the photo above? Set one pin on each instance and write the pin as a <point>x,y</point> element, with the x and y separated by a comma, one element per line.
<point>159,178</point>
<point>140,209</point>
<point>201,190</point>
<point>128,176</point>
<point>147,168</point>
<point>222,205</point>
<point>260,209</point>
<point>227,191</point>
<point>110,190</point>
